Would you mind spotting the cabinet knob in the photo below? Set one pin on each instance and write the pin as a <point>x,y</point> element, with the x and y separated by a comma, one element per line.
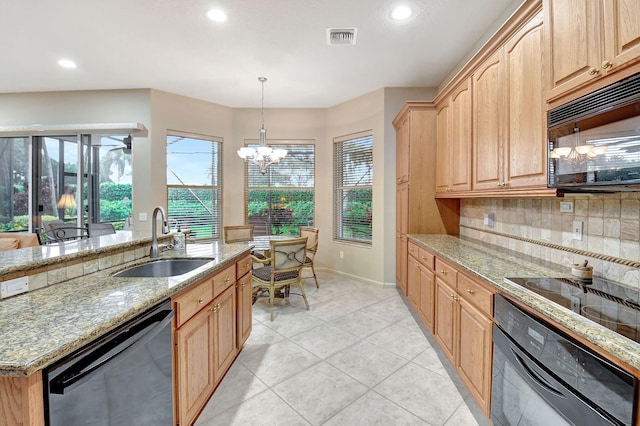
<point>214,308</point>
<point>593,71</point>
<point>200,301</point>
<point>606,64</point>
<point>443,272</point>
<point>469,291</point>
<point>454,297</point>
<point>227,280</point>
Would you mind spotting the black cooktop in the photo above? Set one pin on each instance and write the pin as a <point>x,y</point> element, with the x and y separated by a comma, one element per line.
<point>611,305</point>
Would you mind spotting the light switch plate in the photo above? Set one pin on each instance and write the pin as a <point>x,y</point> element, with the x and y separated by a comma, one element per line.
<point>14,286</point>
<point>142,217</point>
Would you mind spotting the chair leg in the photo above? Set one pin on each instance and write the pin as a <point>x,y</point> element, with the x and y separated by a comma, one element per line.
<point>271,296</point>
<point>314,275</point>
<point>304,296</point>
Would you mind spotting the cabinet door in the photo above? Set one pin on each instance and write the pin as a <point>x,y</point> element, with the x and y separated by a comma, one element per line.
<point>621,33</point>
<point>413,283</point>
<point>474,355</point>
<point>243,317</point>
<point>195,364</point>
<point>488,113</point>
<point>446,319</point>
<point>443,148</point>
<point>572,39</point>
<point>402,149</point>
<point>525,150</point>
<point>427,293</point>
<point>224,337</point>
<point>402,214</point>
<point>460,163</point>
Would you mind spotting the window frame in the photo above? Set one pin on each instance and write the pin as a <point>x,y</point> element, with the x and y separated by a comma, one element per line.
<point>339,188</point>
<point>285,144</point>
<point>217,209</point>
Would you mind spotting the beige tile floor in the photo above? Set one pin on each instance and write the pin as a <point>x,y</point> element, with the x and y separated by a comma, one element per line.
<point>357,357</point>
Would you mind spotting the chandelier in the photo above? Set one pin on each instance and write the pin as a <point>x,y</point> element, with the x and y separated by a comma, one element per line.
<point>264,156</point>
<point>578,154</point>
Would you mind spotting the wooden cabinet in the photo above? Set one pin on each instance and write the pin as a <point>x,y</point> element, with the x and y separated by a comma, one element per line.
<point>210,322</point>
<point>589,40</point>
<point>402,217</point>
<point>463,328</point>
<point>509,142</point>
<point>417,210</point>
<point>244,300</point>
<point>224,331</point>
<point>454,141</point>
<point>195,372</point>
<point>420,283</point>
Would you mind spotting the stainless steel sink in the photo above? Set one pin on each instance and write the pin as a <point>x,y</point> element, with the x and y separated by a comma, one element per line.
<point>163,268</point>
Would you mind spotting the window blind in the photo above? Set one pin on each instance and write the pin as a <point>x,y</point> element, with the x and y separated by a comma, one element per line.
<point>194,190</point>
<point>282,200</point>
<point>353,187</point>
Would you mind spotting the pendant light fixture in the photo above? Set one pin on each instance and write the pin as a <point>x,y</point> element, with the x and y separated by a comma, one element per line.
<point>264,156</point>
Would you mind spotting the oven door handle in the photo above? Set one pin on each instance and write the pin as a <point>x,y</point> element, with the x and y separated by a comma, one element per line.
<point>535,377</point>
<point>74,376</point>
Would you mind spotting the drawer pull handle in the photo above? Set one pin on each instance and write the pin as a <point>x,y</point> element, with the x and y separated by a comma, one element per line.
<point>606,64</point>
<point>593,71</point>
<point>200,300</point>
<point>454,297</point>
<point>469,291</point>
<point>215,308</point>
<point>227,280</point>
<point>443,272</point>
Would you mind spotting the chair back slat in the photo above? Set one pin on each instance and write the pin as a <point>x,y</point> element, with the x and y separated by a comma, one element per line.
<point>312,237</point>
<point>288,254</point>
<point>238,233</point>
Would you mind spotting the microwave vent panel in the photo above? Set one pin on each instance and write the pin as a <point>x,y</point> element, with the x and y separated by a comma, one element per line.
<point>613,96</point>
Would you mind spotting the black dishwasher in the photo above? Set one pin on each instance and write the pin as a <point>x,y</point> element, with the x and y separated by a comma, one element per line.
<point>123,378</point>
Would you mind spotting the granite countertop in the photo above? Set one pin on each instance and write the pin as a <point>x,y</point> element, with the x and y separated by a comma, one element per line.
<point>42,326</point>
<point>493,265</point>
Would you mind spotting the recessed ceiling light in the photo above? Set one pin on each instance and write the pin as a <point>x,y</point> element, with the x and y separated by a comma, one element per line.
<point>401,13</point>
<point>217,15</point>
<point>66,63</point>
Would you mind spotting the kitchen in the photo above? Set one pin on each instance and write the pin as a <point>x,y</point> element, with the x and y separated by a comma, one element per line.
<point>511,215</point>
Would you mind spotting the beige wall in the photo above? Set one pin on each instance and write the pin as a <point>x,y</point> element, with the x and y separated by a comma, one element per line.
<point>160,111</point>
<point>611,228</point>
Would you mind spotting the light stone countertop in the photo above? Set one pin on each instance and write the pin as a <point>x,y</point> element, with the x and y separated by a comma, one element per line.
<point>39,327</point>
<point>493,265</point>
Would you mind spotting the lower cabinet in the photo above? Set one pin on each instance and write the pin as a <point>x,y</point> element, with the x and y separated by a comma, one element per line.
<point>420,283</point>
<point>463,309</point>
<point>243,299</point>
<point>211,327</point>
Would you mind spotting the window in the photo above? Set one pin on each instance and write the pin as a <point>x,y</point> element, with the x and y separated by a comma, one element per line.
<point>194,190</point>
<point>353,184</point>
<point>282,199</point>
<point>76,178</point>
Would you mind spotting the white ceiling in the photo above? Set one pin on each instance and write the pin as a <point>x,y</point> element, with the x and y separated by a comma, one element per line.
<point>171,45</point>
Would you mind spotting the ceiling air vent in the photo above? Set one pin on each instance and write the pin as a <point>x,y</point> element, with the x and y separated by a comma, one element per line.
<point>341,35</point>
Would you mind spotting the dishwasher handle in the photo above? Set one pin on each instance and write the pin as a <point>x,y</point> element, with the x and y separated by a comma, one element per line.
<point>121,347</point>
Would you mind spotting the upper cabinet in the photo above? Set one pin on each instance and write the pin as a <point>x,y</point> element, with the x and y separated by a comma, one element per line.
<point>509,147</point>
<point>587,40</point>
<point>453,169</point>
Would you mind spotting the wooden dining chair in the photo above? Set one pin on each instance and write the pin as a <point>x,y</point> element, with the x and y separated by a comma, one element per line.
<point>285,269</point>
<point>312,248</point>
<point>237,233</point>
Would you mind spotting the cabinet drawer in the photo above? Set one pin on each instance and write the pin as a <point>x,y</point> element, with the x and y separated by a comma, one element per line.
<point>243,266</point>
<point>446,272</point>
<point>223,279</point>
<point>414,250</point>
<point>476,294</point>
<point>421,255</point>
<point>187,304</point>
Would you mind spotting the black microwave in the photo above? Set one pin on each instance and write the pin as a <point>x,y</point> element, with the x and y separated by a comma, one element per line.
<point>594,141</point>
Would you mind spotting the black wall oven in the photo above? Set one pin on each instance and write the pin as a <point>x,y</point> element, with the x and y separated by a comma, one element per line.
<point>543,377</point>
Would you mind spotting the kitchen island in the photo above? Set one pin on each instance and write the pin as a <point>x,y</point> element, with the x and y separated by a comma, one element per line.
<point>75,299</point>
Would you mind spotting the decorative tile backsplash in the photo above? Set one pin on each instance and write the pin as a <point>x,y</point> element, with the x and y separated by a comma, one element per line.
<point>537,227</point>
